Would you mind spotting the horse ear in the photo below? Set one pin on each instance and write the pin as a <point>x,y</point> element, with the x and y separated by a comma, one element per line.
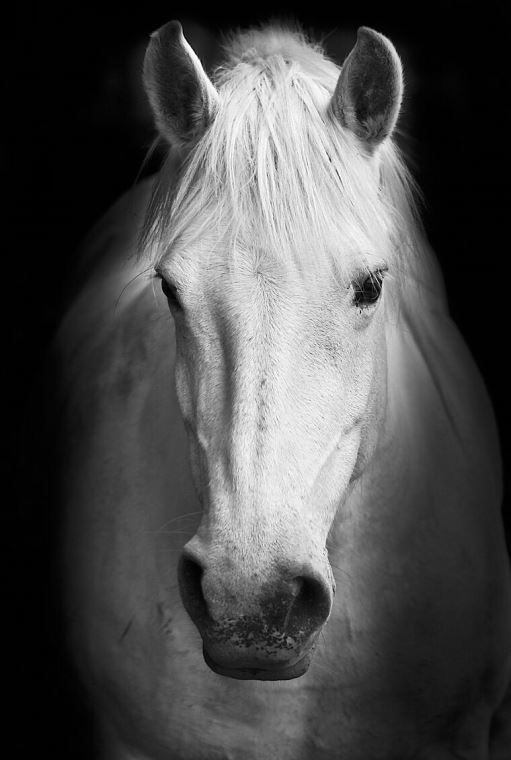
<point>181,95</point>
<point>369,90</point>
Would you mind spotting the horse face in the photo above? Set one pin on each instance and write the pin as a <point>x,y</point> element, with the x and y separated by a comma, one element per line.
<point>276,361</point>
<point>276,378</point>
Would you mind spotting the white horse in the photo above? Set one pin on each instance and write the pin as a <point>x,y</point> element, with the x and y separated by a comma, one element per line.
<point>295,550</point>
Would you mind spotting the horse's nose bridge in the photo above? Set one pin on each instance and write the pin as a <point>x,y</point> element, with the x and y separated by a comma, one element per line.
<point>260,389</point>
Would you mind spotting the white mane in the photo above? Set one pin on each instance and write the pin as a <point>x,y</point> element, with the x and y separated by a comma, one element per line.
<point>275,171</point>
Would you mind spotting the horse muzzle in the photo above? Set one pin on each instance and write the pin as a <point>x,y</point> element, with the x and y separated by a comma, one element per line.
<point>265,631</point>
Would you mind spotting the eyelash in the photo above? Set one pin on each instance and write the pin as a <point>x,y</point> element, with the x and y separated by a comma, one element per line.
<point>367,290</point>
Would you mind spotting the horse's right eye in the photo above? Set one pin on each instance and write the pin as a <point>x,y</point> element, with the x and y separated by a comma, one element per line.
<point>170,293</point>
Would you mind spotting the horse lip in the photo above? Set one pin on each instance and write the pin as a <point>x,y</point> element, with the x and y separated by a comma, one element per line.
<point>278,673</point>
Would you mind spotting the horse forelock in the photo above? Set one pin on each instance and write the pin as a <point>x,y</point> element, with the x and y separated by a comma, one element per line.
<point>276,172</point>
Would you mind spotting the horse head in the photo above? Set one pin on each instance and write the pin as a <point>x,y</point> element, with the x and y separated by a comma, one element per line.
<point>276,246</point>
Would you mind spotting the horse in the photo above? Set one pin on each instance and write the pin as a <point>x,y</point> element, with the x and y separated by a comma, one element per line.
<point>280,471</point>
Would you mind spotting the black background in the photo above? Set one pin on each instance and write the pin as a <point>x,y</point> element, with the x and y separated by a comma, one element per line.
<point>77,128</point>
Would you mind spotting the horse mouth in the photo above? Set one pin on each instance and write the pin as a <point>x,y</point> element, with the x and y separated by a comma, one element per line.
<point>275,673</point>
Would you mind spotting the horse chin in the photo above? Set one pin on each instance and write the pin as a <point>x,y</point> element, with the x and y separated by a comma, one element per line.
<point>275,673</point>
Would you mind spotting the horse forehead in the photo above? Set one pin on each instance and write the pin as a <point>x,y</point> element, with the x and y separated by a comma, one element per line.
<point>267,294</point>
<point>226,270</point>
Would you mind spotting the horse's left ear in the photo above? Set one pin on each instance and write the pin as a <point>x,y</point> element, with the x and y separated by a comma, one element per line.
<point>369,90</point>
<point>182,97</point>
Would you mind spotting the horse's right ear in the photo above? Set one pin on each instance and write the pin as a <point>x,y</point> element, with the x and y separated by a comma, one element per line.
<point>182,97</point>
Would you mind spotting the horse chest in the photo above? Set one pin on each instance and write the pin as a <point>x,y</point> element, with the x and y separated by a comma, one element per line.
<point>172,703</point>
<point>350,704</point>
<point>193,715</point>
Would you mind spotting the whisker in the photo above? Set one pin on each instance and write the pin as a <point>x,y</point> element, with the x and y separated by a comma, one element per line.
<point>341,570</point>
<point>188,515</point>
<point>143,273</point>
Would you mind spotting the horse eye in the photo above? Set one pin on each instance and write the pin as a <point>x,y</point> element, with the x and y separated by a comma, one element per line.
<point>170,294</point>
<point>368,290</point>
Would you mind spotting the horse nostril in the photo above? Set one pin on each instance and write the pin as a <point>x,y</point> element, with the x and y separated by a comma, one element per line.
<point>190,573</point>
<point>312,602</point>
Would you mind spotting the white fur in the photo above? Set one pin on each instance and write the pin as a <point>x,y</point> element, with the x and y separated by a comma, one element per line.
<point>357,444</point>
<point>276,171</point>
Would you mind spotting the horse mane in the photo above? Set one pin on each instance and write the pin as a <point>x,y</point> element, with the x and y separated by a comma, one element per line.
<point>275,170</point>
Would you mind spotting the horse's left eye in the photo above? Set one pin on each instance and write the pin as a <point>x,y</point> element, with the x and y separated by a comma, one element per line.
<point>367,290</point>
